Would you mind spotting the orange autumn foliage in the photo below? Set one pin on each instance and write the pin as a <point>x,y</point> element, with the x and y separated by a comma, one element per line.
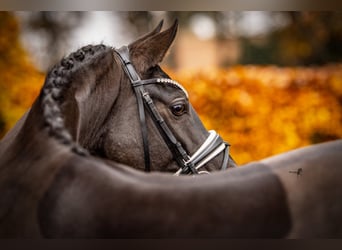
<point>260,110</point>
<point>20,82</point>
<point>265,110</point>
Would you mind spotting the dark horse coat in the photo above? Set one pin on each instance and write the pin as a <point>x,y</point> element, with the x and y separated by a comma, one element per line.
<point>67,167</point>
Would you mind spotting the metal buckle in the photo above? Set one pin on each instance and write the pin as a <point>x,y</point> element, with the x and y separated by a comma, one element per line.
<point>209,149</point>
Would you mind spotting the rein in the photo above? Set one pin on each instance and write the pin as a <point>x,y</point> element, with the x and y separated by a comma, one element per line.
<point>211,147</point>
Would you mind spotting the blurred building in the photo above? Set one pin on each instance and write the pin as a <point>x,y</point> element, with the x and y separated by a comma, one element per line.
<point>190,52</point>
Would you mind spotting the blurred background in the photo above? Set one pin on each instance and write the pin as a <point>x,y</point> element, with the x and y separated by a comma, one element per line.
<point>268,82</point>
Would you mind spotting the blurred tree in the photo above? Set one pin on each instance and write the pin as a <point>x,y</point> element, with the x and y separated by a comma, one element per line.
<point>53,29</point>
<point>266,110</point>
<point>138,22</point>
<point>307,38</point>
<point>19,80</point>
<point>311,38</point>
<point>285,107</point>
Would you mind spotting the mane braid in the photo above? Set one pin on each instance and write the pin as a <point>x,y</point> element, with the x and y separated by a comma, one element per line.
<point>56,84</point>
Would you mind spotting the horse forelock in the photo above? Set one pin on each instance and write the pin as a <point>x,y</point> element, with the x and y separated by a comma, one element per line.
<point>53,94</point>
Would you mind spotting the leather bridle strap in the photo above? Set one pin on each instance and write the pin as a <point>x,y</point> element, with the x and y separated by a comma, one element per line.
<point>179,153</point>
<point>135,80</point>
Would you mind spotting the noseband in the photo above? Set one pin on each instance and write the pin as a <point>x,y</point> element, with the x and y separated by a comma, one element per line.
<point>211,147</point>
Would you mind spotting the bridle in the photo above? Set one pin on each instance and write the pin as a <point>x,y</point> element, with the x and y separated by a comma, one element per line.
<point>211,147</point>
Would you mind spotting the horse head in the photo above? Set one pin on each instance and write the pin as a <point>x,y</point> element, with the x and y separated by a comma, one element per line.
<point>89,103</point>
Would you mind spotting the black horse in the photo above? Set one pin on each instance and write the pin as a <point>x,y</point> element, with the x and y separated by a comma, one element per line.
<point>69,166</point>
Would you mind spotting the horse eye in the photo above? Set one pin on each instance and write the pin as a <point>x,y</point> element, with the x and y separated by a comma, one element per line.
<point>178,109</point>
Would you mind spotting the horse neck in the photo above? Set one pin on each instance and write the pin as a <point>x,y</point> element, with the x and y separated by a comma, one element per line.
<point>29,160</point>
<point>62,115</point>
<point>29,139</point>
<point>50,127</point>
<point>70,99</point>
<point>91,95</point>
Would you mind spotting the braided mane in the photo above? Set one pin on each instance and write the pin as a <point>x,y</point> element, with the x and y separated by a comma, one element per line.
<point>52,96</point>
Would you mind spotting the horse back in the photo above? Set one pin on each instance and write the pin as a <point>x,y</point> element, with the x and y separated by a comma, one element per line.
<point>311,177</point>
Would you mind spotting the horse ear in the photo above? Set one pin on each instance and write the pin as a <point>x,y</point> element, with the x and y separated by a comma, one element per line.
<point>153,32</point>
<point>151,51</point>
